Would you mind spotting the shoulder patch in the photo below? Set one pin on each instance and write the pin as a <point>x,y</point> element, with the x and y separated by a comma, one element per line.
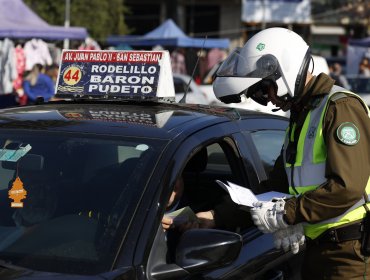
<point>348,133</point>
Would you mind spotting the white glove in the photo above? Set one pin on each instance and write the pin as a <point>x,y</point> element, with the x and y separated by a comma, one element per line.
<point>290,238</point>
<point>268,215</point>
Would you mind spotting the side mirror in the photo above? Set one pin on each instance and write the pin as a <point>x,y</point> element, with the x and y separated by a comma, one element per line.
<point>205,249</point>
<point>199,250</point>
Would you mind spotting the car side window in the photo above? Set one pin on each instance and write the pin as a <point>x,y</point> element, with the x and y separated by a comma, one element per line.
<point>211,163</point>
<point>217,160</point>
<point>268,144</point>
<point>198,190</point>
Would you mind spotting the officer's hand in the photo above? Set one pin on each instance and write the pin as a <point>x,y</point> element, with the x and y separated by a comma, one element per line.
<point>268,215</point>
<point>290,238</point>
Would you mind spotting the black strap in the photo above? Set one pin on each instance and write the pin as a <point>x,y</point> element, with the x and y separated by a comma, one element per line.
<point>366,198</point>
<point>291,152</point>
<point>337,235</point>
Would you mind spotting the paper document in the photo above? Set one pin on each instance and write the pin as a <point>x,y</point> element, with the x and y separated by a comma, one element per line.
<point>239,194</point>
<point>244,196</point>
<point>182,216</point>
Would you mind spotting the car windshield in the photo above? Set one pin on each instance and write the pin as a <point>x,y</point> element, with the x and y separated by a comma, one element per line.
<point>64,198</point>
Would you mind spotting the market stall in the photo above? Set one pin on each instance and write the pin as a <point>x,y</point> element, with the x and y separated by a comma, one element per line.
<point>168,34</point>
<point>18,21</point>
<point>26,40</point>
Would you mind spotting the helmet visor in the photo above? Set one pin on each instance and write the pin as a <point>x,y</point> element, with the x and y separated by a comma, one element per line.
<point>261,67</point>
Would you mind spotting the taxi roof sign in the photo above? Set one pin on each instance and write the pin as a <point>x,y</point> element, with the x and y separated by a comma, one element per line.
<point>138,75</point>
<point>142,117</point>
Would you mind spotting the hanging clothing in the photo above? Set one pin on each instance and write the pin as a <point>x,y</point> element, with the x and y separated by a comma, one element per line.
<point>89,44</point>
<point>8,70</point>
<point>37,52</point>
<point>55,53</point>
<point>178,62</point>
<point>214,56</point>
<point>20,61</point>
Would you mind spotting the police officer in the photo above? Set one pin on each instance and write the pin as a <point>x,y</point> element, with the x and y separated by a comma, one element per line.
<point>325,160</point>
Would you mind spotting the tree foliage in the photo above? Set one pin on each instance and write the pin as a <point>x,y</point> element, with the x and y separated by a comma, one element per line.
<point>101,18</point>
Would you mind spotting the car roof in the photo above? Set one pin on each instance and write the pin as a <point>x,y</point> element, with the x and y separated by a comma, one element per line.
<point>160,120</point>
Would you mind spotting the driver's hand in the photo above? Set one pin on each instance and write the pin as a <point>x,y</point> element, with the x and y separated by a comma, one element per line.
<point>206,219</point>
<point>166,222</point>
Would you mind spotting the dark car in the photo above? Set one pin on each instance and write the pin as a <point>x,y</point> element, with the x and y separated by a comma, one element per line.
<point>84,186</point>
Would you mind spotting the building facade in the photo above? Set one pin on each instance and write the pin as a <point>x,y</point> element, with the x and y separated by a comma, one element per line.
<point>328,28</point>
<point>200,18</point>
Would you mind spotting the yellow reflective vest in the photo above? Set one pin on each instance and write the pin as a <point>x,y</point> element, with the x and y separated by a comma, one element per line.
<point>308,171</point>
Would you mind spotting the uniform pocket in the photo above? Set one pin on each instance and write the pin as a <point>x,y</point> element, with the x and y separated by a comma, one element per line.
<point>356,245</point>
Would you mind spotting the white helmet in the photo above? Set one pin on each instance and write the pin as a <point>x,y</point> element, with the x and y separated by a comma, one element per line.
<point>276,54</point>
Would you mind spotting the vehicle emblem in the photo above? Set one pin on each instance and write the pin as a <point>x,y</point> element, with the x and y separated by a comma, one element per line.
<point>17,193</point>
<point>260,46</point>
<point>348,133</point>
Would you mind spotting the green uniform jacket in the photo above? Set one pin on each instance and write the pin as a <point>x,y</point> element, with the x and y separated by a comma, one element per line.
<point>347,169</point>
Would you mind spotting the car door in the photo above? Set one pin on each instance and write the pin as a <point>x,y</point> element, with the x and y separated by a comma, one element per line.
<point>258,258</point>
<point>200,181</point>
<point>232,156</point>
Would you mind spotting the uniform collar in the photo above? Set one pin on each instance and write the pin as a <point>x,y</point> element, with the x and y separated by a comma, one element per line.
<point>317,87</point>
<point>320,85</point>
